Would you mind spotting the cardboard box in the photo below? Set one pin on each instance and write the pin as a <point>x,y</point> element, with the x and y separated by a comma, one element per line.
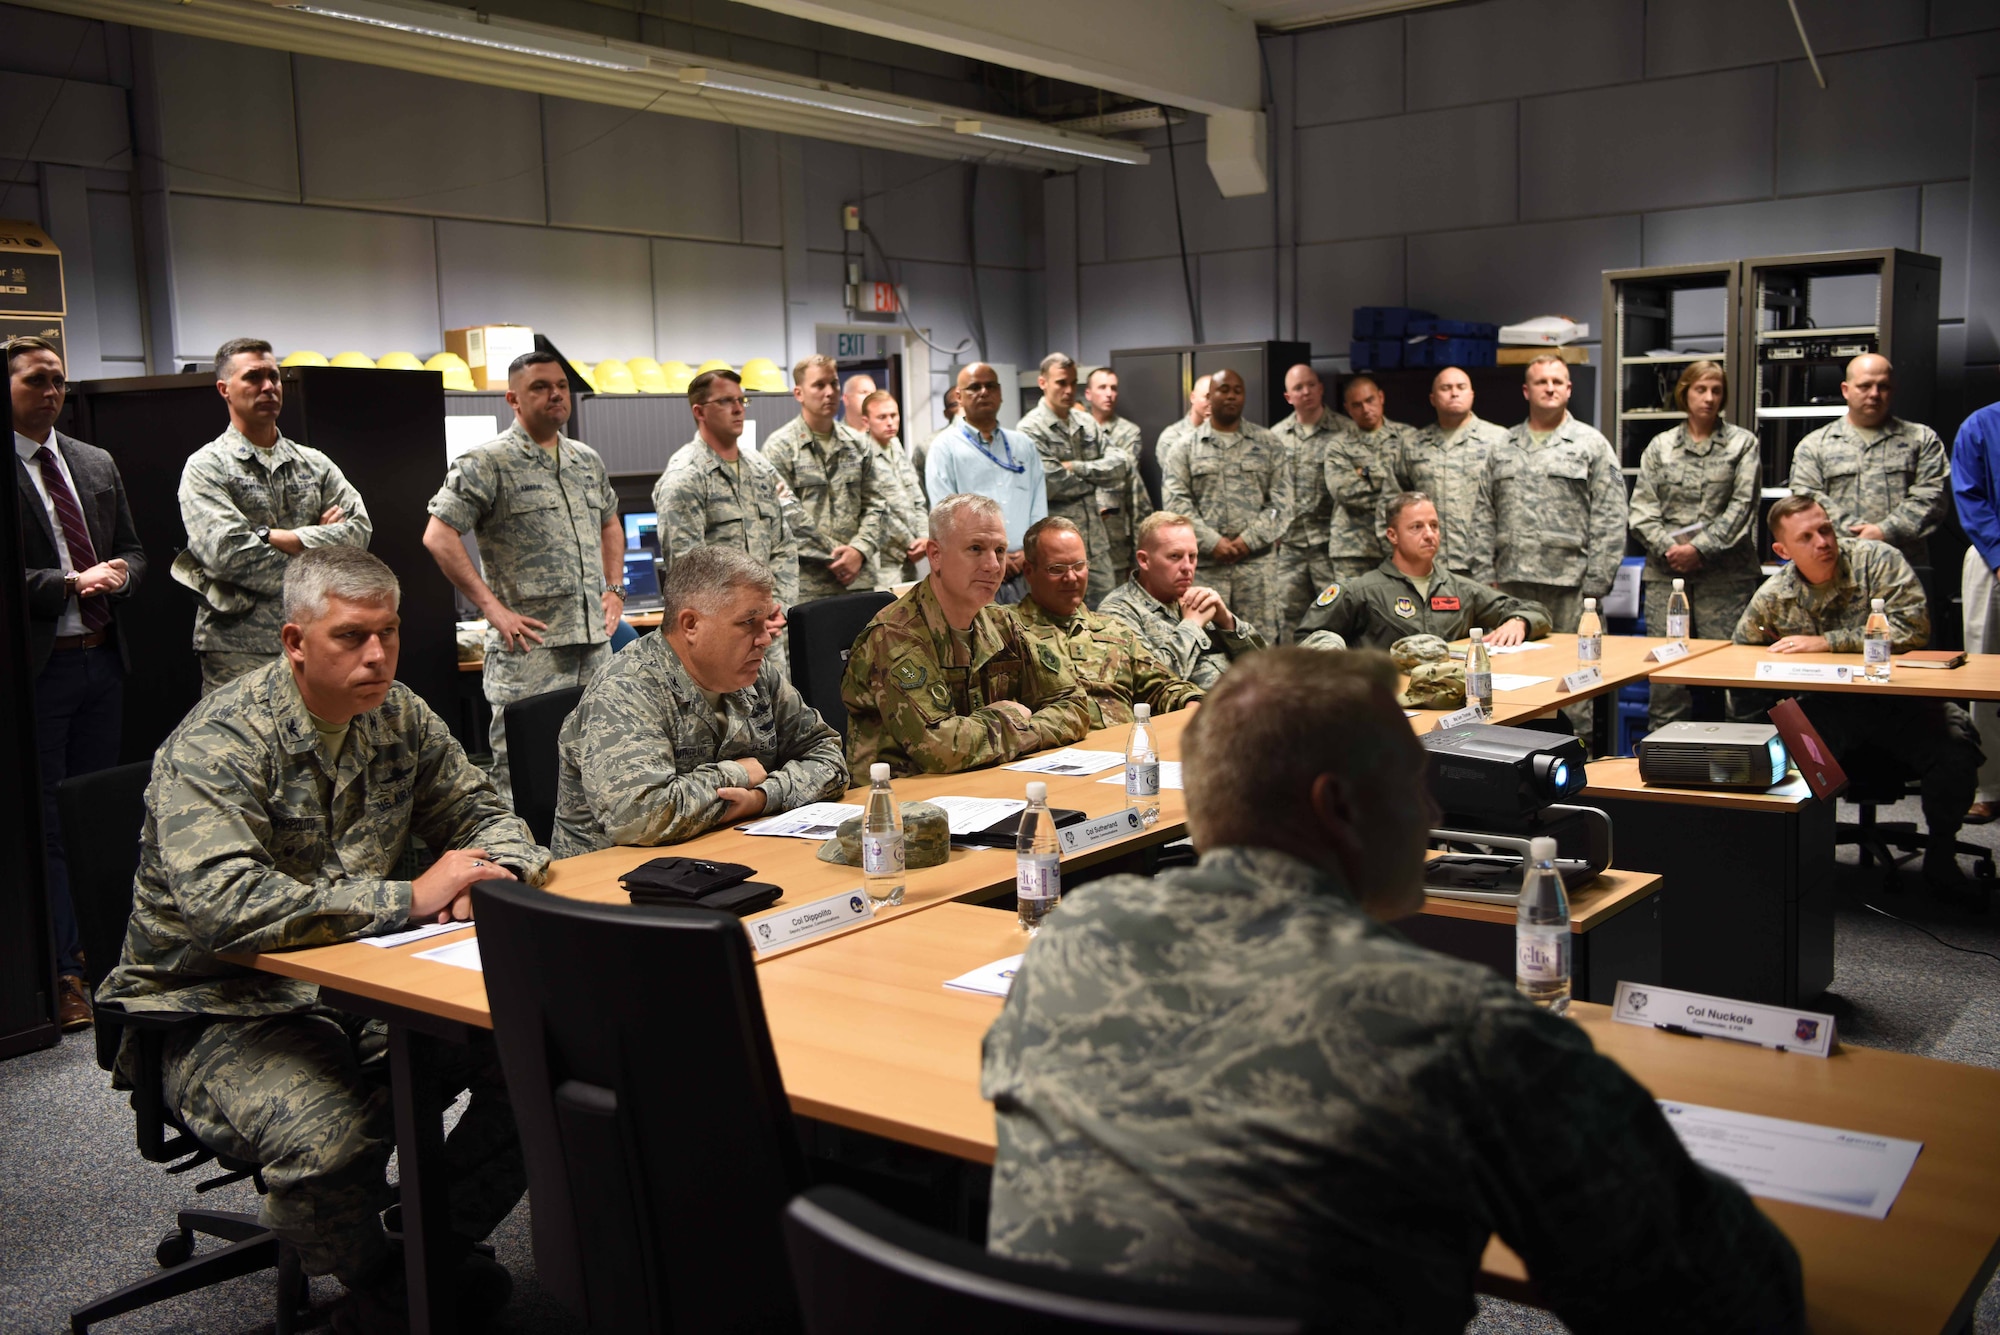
<point>31,276</point>
<point>1518,356</point>
<point>488,348</point>
<point>49,327</point>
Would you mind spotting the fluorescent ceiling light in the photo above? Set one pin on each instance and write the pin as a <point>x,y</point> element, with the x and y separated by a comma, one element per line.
<point>1011,132</point>
<point>462,26</point>
<point>804,96</point>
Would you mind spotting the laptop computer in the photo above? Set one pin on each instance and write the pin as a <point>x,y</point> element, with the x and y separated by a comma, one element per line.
<point>1809,752</point>
<point>642,581</point>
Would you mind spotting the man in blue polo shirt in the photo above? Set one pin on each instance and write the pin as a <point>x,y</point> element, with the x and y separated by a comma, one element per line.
<point>1975,485</point>
<point>978,455</point>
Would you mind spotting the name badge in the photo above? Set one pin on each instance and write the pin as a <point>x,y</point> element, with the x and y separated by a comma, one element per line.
<point>1443,603</point>
<point>1839,673</point>
<point>1583,679</point>
<point>1666,653</point>
<point>1776,1027</point>
<point>1458,718</point>
<point>1102,830</point>
<point>790,926</point>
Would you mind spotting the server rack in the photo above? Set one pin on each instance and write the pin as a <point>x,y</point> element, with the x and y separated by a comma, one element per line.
<point>1658,321</point>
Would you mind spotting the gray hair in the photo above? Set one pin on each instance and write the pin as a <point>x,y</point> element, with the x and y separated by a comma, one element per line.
<point>1058,361</point>
<point>1402,501</point>
<point>702,577</point>
<point>320,573</point>
<point>954,510</point>
<point>1031,541</point>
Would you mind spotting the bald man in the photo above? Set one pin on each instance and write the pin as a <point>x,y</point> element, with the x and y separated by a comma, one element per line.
<point>1304,567</point>
<point>1876,475</point>
<point>854,394</point>
<point>1446,460</point>
<point>978,456</point>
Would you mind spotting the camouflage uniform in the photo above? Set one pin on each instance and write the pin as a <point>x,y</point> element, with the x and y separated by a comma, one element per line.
<point>842,501</point>
<point>1361,480</point>
<point>1448,469</point>
<point>1201,655</point>
<point>539,517</point>
<point>1932,737</point>
<point>1123,507</point>
<point>1231,1078</point>
<point>906,516</point>
<point>1241,490</point>
<point>644,752</point>
<point>1304,566</point>
<point>1712,482</point>
<point>229,489</point>
<point>256,840</point>
<point>1115,666</point>
<point>1892,476</point>
<point>1385,605</point>
<point>912,704</point>
<point>1073,491</point>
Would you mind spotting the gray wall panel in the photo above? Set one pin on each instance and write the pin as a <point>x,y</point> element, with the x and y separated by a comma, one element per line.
<point>1378,178</point>
<point>210,144</point>
<point>1693,36</point>
<point>37,41</point>
<point>1059,226</point>
<point>1612,150</point>
<point>757,174</point>
<point>713,300</point>
<point>1916,125</point>
<point>1504,274</point>
<point>1139,207</point>
<point>1947,214</point>
<point>916,208</point>
<point>19,198</point>
<point>1950,16</point>
<point>1349,72</point>
<point>1783,227</point>
<point>73,123</point>
<point>833,180</point>
<point>1237,295</point>
<point>1982,264</point>
<point>1136,305</point>
<point>591,293</point>
<point>1511,48</point>
<point>1090,192</point>
<point>622,171</point>
<point>119,334</point>
<point>1334,279</point>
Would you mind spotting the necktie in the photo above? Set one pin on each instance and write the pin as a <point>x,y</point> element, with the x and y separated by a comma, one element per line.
<point>82,556</point>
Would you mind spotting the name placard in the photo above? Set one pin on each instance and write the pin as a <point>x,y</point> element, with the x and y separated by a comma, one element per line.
<point>789,926</point>
<point>1582,679</point>
<point>1098,830</point>
<point>1458,718</point>
<point>1839,673</point>
<point>1666,653</point>
<point>1719,1017</point>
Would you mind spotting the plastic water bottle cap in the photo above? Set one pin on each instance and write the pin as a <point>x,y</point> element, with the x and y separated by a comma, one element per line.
<point>1142,712</point>
<point>1680,585</point>
<point>1038,791</point>
<point>1475,633</point>
<point>1875,604</point>
<point>878,773</point>
<point>1590,604</point>
<point>1541,849</point>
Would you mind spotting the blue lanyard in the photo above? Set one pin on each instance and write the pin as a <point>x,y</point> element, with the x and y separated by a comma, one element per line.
<point>999,434</point>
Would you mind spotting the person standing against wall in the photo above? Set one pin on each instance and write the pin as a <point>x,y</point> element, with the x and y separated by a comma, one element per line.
<point>829,467</point>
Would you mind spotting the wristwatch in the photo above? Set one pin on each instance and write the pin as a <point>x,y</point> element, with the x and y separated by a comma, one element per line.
<point>618,589</point>
<point>263,532</point>
<point>71,581</point>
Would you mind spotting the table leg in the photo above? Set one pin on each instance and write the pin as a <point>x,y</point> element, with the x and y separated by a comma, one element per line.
<point>426,1191</point>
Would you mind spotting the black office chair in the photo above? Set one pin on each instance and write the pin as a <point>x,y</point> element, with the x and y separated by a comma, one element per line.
<point>660,1147</point>
<point>862,1270</point>
<point>1876,779</point>
<point>533,727</point>
<point>821,633</point>
<point>101,815</point>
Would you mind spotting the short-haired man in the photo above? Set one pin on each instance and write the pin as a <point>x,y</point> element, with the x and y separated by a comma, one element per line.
<point>1876,475</point>
<point>695,727</point>
<point>1819,604</point>
<point>906,516</point>
<point>1188,627</point>
<point>1304,564</point>
<point>82,560</point>
<point>1153,462</point>
<point>1077,462</point>
<point>830,467</point>
<point>1360,477</point>
<point>550,541</point>
<point>1114,664</point>
<point>1446,460</point>
<point>1233,481</point>
<point>277,816</point>
<point>941,681</point>
<point>715,491</point>
<point>977,455</point>
<point>1411,593</point>
<point>854,397</point>
<point>1238,1077</point>
<point>1122,507</point>
<point>251,500</point>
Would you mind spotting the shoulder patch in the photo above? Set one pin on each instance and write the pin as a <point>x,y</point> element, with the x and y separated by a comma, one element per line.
<point>909,676</point>
<point>1048,656</point>
<point>1327,595</point>
<point>1406,607</point>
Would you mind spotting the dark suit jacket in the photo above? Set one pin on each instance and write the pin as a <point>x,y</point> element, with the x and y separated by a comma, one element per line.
<point>100,493</point>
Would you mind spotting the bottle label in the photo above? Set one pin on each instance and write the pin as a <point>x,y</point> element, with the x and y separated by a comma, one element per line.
<point>882,854</point>
<point>1541,953</point>
<point>1589,648</point>
<point>1479,685</point>
<point>1875,651</point>
<point>1677,625</point>
<point>1142,778</point>
<point>1038,876</point>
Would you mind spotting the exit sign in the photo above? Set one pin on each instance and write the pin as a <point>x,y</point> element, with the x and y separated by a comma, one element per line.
<point>881,297</point>
<point>852,345</point>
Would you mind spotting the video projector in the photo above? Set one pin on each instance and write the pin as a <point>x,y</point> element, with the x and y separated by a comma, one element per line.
<point>1713,755</point>
<point>1499,788</point>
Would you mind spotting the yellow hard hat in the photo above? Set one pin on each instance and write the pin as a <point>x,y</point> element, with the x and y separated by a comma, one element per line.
<point>589,375</point>
<point>761,373</point>
<point>304,358</point>
<point>399,361</point>
<point>444,361</point>
<point>713,364</point>
<point>615,377</point>
<point>458,377</point>
<point>676,375</point>
<point>646,374</point>
<point>356,359</point>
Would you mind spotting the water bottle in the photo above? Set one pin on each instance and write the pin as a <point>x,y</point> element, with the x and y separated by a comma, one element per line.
<point>1875,642</point>
<point>882,840</point>
<point>1142,768</point>
<point>1541,931</point>
<point>1678,614</point>
<point>1037,861</point>
<point>1479,674</point>
<point>1589,636</point>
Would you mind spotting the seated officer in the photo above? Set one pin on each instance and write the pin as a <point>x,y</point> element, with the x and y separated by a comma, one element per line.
<point>941,681</point>
<point>1238,1077</point>
<point>1818,604</point>
<point>696,726</point>
<point>1108,657</point>
<point>276,816</point>
<point>1187,626</point>
<point>1410,594</point>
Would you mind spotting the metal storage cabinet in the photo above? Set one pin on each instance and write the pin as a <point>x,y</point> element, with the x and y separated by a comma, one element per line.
<point>1154,383</point>
<point>1656,322</point>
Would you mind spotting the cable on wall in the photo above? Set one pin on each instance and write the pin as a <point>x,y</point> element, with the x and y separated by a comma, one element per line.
<point>1180,227</point>
<point>972,258</point>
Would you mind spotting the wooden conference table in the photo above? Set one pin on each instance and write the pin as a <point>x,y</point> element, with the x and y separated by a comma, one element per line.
<point>1735,665</point>
<point>1554,656</point>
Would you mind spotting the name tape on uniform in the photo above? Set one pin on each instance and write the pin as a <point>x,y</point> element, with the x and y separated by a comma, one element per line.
<point>1666,653</point>
<point>1582,679</point>
<point>790,926</point>
<point>1839,673</point>
<point>1458,718</point>
<point>1101,830</point>
<point>1720,1017</point>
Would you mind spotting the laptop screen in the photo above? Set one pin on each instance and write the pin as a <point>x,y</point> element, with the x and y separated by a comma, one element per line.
<point>642,577</point>
<point>642,529</point>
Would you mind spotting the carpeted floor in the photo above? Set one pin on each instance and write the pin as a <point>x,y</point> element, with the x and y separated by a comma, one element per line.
<point>80,1212</point>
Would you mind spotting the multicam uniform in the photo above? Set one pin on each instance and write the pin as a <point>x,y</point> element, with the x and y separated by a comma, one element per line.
<point>1114,664</point>
<point>1240,487</point>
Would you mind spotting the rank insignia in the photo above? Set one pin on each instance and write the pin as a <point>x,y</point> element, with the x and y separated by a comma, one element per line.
<point>1406,607</point>
<point>1327,595</point>
<point>909,676</point>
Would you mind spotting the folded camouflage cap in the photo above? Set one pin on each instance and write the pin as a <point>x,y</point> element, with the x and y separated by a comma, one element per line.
<point>1414,649</point>
<point>926,838</point>
<point>1435,685</point>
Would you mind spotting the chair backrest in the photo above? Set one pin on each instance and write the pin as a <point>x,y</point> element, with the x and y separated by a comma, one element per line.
<point>102,816</point>
<point>862,1270</point>
<point>821,632</point>
<point>533,727</point>
<point>660,1147</point>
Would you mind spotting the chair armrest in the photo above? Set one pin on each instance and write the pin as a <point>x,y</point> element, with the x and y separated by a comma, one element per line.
<point>162,1138</point>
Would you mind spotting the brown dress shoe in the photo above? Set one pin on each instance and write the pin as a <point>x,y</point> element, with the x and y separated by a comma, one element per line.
<point>1979,813</point>
<point>72,1003</point>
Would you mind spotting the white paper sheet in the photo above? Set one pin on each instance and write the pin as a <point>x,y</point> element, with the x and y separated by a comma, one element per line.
<point>414,934</point>
<point>1170,775</point>
<point>1523,648</point>
<point>1800,1162</point>
<point>968,815</point>
<point>1069,760</point>
<point>459,954</point>
<point>815,820</point>
<point>988,980</point>
<point>1514,681</point>
<point>463,433</point>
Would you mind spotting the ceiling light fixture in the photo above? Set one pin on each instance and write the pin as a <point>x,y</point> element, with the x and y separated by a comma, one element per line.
<point>820,99</point>
<point>1103,150</point>
<point>462,26</point>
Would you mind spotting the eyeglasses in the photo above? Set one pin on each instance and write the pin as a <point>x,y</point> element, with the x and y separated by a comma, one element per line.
<point>733,401</point>
<point>1073,568</point>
